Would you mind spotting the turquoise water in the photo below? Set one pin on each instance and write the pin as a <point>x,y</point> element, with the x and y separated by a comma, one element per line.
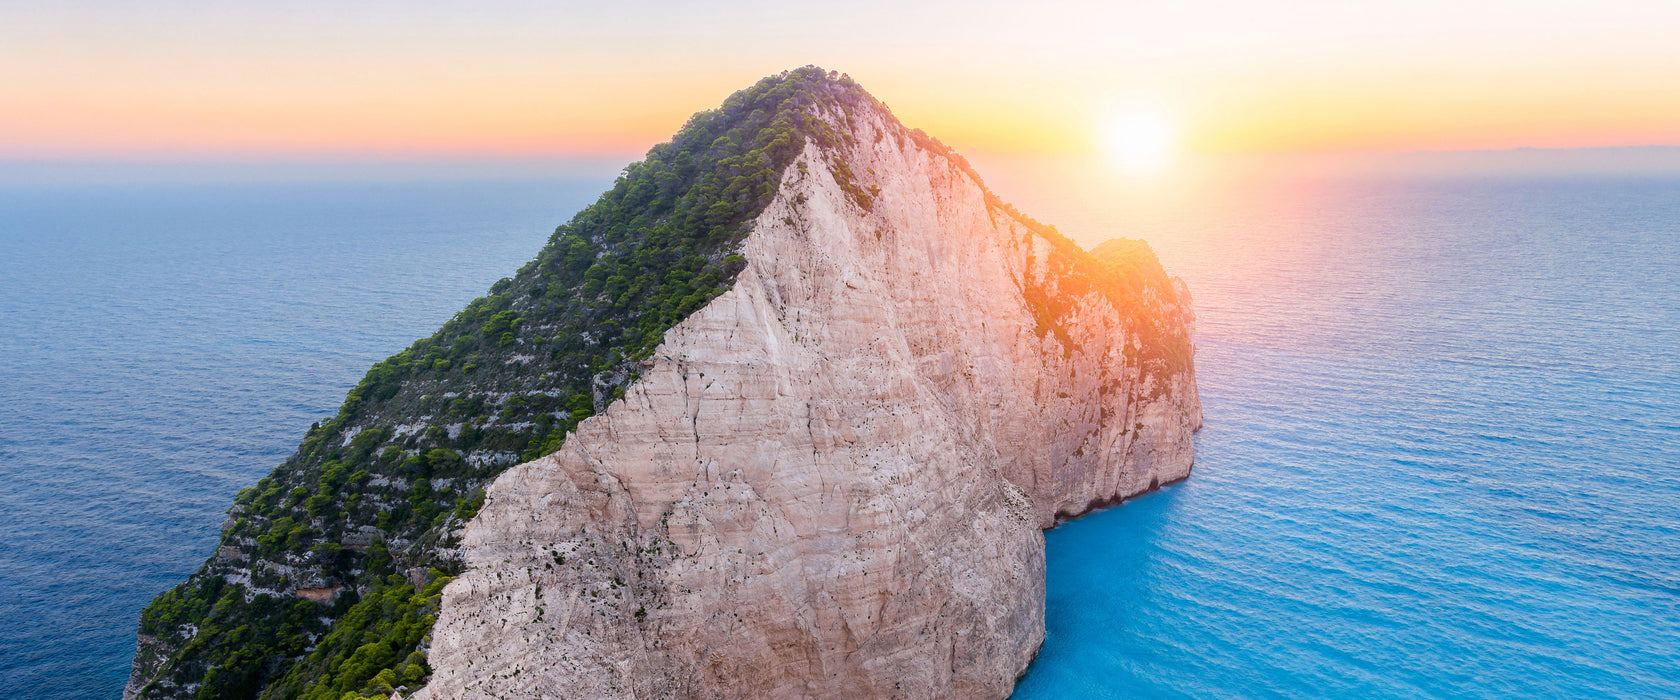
<point>1441,456</point>
<point>1442,453</point>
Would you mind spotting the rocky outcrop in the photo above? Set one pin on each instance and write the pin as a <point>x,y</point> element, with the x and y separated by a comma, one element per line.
<point>149,656</point>
<point>831,481</point>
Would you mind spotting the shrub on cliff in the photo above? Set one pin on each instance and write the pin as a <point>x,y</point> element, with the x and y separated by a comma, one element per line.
<point>508,378</point>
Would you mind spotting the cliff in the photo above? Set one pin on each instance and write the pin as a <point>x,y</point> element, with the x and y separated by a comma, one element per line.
<point>824,474</point>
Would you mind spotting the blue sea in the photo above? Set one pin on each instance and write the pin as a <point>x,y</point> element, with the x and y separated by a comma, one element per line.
<point>163,346</point>
<point>1441,456</point>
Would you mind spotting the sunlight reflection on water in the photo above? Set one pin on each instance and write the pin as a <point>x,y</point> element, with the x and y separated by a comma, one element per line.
<point>1439,461</point>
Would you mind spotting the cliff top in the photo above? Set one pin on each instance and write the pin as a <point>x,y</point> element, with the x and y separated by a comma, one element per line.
<point>362,518</point>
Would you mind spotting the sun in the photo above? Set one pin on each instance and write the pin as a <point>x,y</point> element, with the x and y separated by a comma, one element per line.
<point>1139,140</point>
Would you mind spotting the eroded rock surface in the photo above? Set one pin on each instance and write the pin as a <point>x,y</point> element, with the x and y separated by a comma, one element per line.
<point>832,481</point>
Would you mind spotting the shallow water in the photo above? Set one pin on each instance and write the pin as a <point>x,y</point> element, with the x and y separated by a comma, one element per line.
<point>1441,456</point>
<point>1441,459</point>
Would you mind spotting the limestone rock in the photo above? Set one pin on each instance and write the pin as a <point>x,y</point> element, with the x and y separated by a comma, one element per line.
<point>832,480</point>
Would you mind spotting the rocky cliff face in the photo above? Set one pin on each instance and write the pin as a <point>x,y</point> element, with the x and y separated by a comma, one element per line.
<point>831,480</point>
<point>782,414</point>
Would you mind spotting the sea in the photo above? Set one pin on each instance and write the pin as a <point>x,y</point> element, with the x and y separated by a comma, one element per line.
<point>1441,452</point>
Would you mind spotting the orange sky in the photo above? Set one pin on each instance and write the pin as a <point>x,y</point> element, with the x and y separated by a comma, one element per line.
<point>516,78</point>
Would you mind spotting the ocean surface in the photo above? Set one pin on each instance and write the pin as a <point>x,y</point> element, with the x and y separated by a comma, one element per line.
<point>1441,456</point>
<point>164,346</point>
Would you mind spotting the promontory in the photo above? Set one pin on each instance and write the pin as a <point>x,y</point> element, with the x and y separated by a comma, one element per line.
<point>783,414</point>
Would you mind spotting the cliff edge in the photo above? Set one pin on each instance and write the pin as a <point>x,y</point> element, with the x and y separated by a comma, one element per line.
<point>828,479</point>
<point>831,481</point>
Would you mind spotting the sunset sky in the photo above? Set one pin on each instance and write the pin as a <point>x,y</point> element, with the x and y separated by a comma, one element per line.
<point>504,78</point>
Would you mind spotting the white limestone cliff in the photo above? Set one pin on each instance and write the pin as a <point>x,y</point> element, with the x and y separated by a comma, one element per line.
<point>832,480</point>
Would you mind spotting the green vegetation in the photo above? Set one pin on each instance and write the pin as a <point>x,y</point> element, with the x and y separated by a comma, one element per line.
<point>1126,271</point>
<point>1129,277</point>
<point>362,516</point>
<point>363,512</point>
<point>373,649</point>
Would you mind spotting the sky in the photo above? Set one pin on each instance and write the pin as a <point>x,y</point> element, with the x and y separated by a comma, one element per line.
<point>514,79</point>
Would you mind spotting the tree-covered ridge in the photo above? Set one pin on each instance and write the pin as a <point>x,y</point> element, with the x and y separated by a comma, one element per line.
<point>360,517</point>
<point>1125,271</point>
<point>1139,287</point>
<point>1133,282</point>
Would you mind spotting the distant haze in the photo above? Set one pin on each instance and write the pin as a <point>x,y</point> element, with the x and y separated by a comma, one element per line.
<point>1073,175</point>
<point>512,78</point>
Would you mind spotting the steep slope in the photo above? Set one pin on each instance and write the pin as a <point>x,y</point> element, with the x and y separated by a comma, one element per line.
<point>831,480</point>
<point>327,571</point>
<point>793,401</point>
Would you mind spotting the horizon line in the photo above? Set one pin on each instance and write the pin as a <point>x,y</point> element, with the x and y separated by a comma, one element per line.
<point>1640,159</point>
<point>327,158</point>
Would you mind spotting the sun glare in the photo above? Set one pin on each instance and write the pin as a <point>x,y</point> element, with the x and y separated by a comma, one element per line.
<point>1139,140</point>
